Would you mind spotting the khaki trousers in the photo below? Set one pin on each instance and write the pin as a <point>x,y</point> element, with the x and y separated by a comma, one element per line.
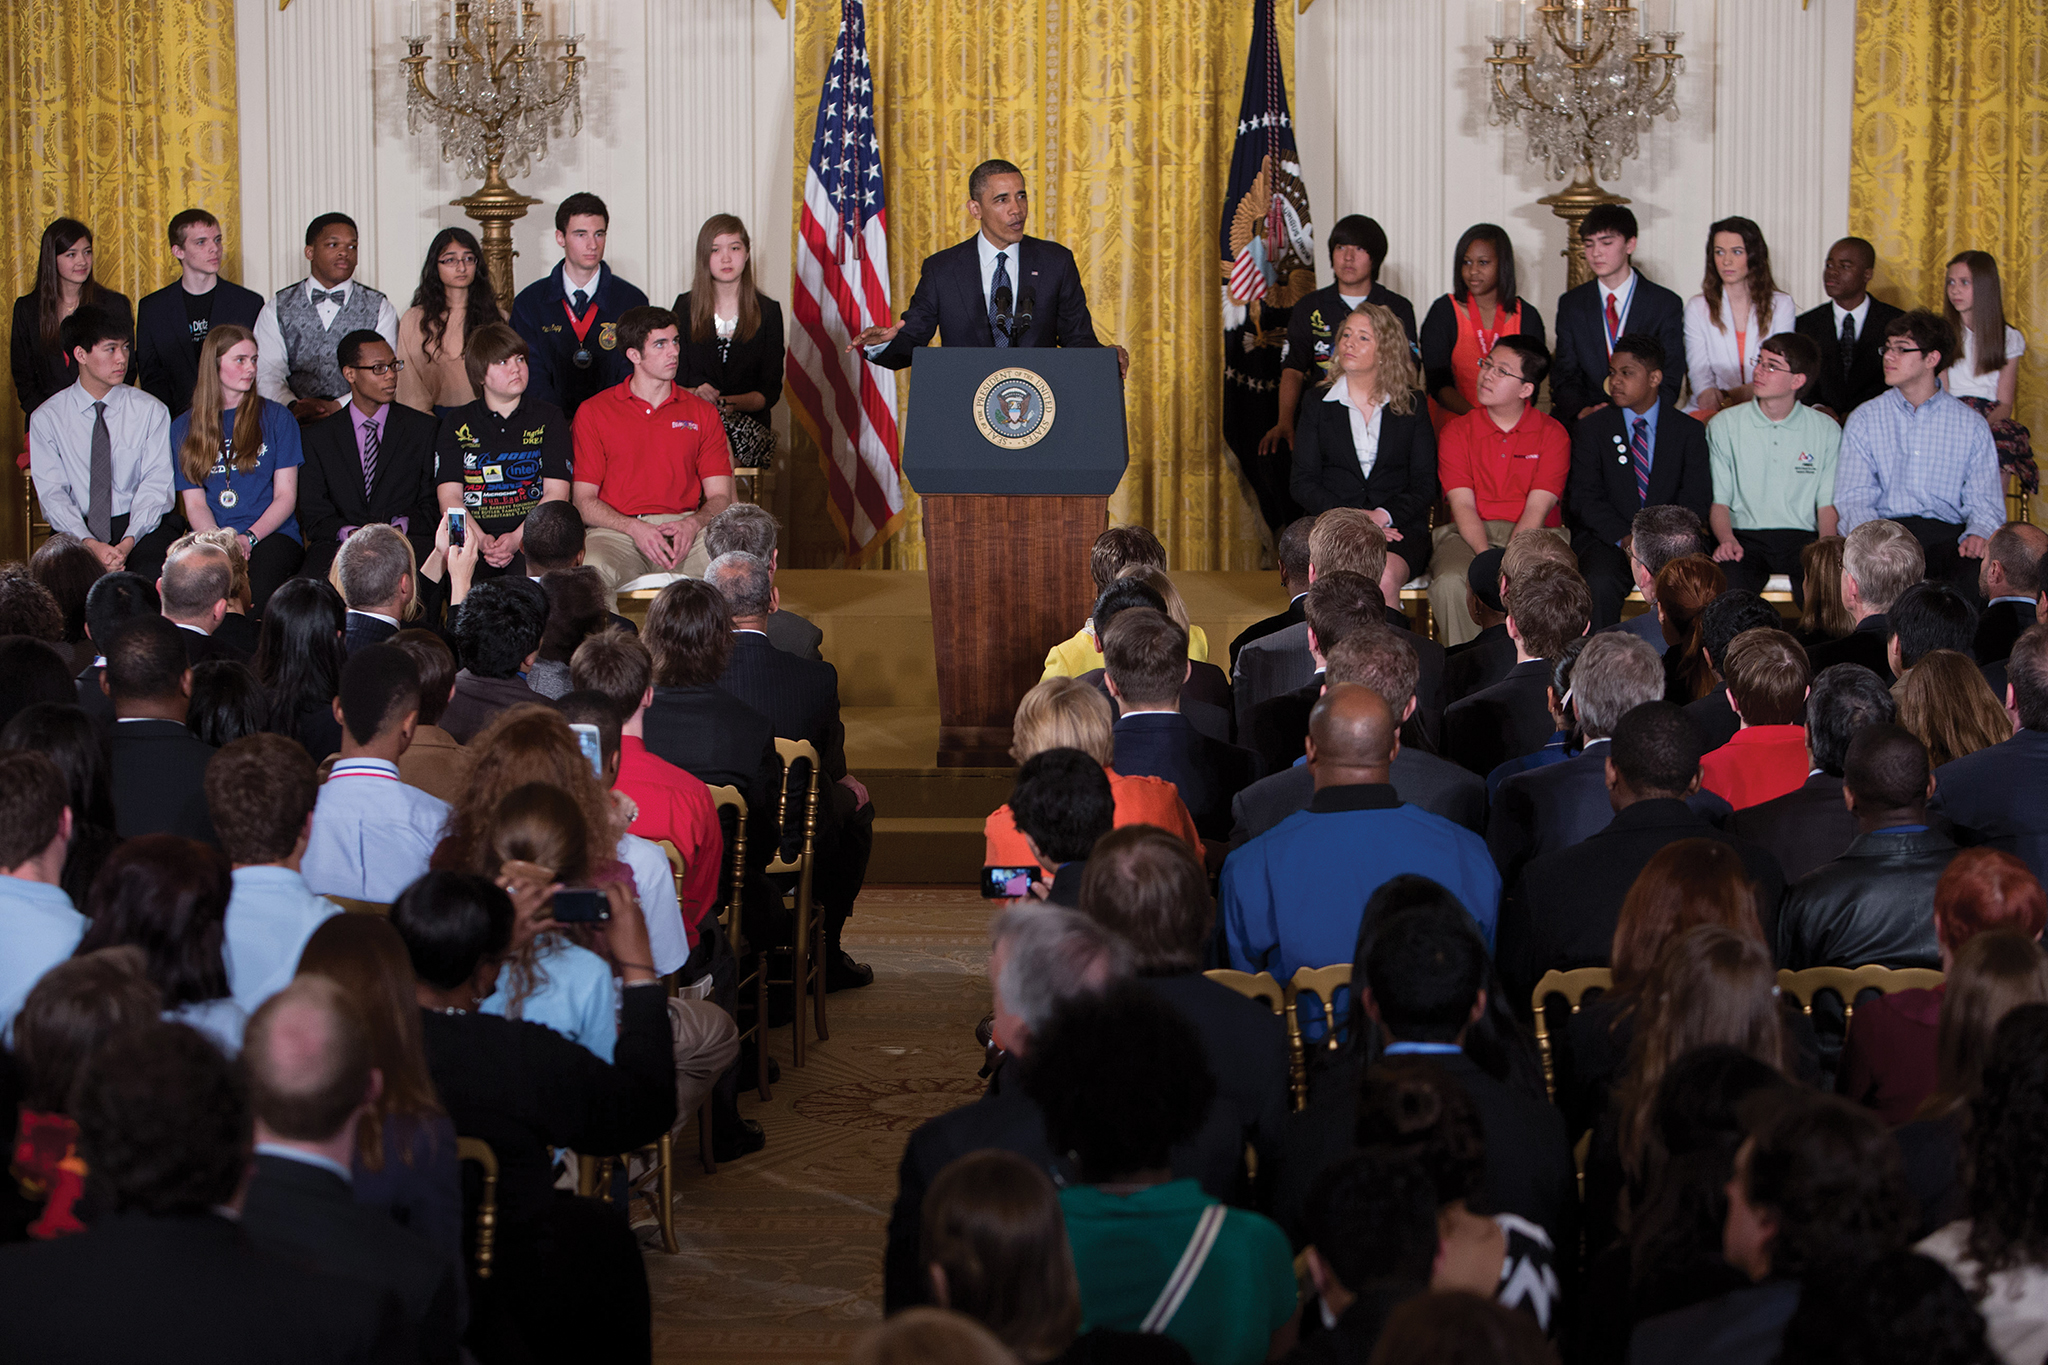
<point>1450,558</point>
<point>618,560</point>
<point>707,1041</point>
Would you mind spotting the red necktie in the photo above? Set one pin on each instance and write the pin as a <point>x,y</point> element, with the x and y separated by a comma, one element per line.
<point>1613,323</point>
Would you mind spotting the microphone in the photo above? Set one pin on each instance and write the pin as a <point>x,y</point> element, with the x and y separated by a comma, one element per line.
<point>1022,322</point>
<point>1003,318</point>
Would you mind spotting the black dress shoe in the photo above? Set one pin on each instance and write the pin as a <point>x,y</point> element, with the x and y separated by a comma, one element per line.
<point>843,973</point>
<point>730,1142</point>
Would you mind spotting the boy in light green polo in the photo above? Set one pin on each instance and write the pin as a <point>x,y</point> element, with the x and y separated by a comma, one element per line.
<point>1773,461</point>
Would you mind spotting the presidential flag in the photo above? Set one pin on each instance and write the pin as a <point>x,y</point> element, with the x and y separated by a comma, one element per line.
<point>841,288</point>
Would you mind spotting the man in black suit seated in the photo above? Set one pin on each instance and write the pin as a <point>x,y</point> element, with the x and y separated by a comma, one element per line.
<point>1542,810</point>
<point>801,700</point>
<point>1727,616</point>
<point>158,768</point>
<point>171,324</point>
<point>1384,661</point>
<point>1849,329</point>
<point>1204,697</point>
<point>371,462</point>
<point>1805,828</point>
<point>1547,609</point>
<point>1340,605</point>
<point>1617,302</point>
<point>307,1057</point>
<point>1999,796</point>
<point>114,600</point>
<point>1148,661</point>
<point>1292,553</point>
<point>194,593</point>
<point>1880,560</point>
<point>1563,910</point>
<point>1928,616</point>
<point>1486,658</point>
<point>997,288</point>
<point>2010,581</point>
<point>1638,452</point>
<point>164,1272</point>
<point>1370,1221</point>
<point>375,570</point>
<point>743,526</point>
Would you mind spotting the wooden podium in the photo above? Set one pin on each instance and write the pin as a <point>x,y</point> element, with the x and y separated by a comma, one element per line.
<point>1015,453</point>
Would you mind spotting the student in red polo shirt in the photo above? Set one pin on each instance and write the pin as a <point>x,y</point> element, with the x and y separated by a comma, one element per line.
<point>1767,675</point>
<point>652,465</point>
<point>1503,467</point>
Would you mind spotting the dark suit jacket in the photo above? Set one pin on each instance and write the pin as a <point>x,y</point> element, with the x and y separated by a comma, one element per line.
<point>1480,662</point>
<point>1504,721</point>
<point>476,701</point>
<point>750,366</point>
<point>1542,810</point>
<point>1715,718</point>
<point>1997,628</point>
<point>159,775</point>
<point>1403,479</point>
<point>1743,1327</point>
<point>1420,779</point>
<point>1999,796</point>
<point>201,649</point>
<point>1830,388</point>
<point>331,481</point>
<point>165,357</point>
<point>365,630</point>
<point>1296,613</point>
<point>1208,773</point>
<point>793,634</point>
<point>722,742</point>
<point>1579,367</point>
<point>1281,662</point>
<point>1864,645</point>
<point>240,631</point>
<point>304,1214</point>
<point>95,702</point>
<point>1600,495</point>
<point>1204,699</point>
<point>191,1290</point>
<point>1277,728</point>
<point>800,698</point>
<point>1802,829</point>
<point>948,301</point>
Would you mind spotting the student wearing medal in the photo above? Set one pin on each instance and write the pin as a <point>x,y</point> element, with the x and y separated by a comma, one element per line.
<point>1463,325</point>
<point>1618,301</point>
<point>236,460</point>
<point>570,317</point>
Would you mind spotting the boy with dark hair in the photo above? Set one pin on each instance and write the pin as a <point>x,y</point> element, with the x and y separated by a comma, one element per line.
<point>503,455</point>
<point>1928,616</point>
<point>371,463</point>
<point>1773,463</point>
<point>260,791</point>
<point>1593,318</point>
<point>158,768</point>
<point>371,833</point>
<point>1062,806</point>
<point>496,637</point>
<point>1371,1223</point>
<point>299,328</point>
<point>571,315</point>
<point>171,324</point>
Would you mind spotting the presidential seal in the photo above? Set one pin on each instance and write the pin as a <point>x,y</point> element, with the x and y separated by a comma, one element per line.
<point>1014,408</point>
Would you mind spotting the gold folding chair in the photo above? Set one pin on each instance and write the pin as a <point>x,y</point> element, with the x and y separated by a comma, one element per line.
<point>1850,982</point>
<point>1322,984</point>
<point>656,1184</point>
<point>356,907</point>
<point>1259,986</point>
<point>735,935</point>
<point>1572,985</point>
<point>678,867</point>
<point>807,950</point>
<point>479,1151</point>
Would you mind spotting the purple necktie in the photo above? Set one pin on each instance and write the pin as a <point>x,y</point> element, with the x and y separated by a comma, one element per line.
<point>1639,452</point>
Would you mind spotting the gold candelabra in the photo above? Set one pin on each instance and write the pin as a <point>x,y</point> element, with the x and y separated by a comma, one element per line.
<point>494,109</point>
<point>1583,90</point>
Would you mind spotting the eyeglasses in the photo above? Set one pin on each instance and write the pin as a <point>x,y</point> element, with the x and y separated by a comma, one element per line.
<point>464,259</point>
<point>381,369</point>
<point>1765,367</point>
<point>1488,365</point>
<point>1895,348</point>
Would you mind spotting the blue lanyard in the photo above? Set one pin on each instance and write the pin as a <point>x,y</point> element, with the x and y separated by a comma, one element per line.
<point>1422,1049</point>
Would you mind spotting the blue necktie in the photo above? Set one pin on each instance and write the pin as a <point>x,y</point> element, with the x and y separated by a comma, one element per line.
<point>997,286</point>
<point>1639,451</point>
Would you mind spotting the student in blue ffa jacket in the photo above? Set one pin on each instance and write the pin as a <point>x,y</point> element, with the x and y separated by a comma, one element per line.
<point>570,317</point>
<point>1592,318</point>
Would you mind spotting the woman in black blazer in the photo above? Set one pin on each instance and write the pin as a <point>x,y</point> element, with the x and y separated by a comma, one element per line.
<point>732,338</point>
<point>63,282</point>
<point>1372,386</point>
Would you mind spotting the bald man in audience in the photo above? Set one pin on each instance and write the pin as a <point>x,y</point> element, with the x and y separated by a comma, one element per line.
<point>2010,580</point>
<point>194,591</point>
<point>1292,897</point>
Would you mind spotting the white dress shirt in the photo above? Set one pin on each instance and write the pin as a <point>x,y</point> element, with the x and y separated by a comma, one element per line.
<point>569,286</point>
<point>273,365</point>
<point>1623,295</point>
<point>988,251</point>
<point>60,458</point>
<point>1711,358</point>
<point>1365,426</point>
<point>1861,312</point>
<point>372,834</point>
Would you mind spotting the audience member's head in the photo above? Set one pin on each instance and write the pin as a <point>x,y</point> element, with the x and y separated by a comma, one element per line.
<point>1347,538</point>
<point>32,672</point>
<point>227,702</point>
<point>67,570</point>
<point>1145,656</point>
<point>1293,553</point>
<point>306,1055</point>
<point>380,694</point>
<point>1945,701</point>
<point>930,1336</point>
<point>578,608</point>
<point>1684,588</point>
<point>1562,698</point>
<point>1656,753</point>
<point>1844,699</point>
<point>542,825</point>
<point>615,665</point>
<point>1990,976</point>
<point>72,1009</point>
<point>301,650</point>
<point>1382,660</point>
<point>1880,560</point>
<point>1767,675</point>
<point>689,633</point>
<point>374,569</point>
<point>1413,1107</point>
<point>552,537</point>
<point>745,581</point>
<point>1547,607</point>
<point>115,598</point>
<point>994,1247</point>
<point>1123,595</point>
<point>456,927</point>
<point>1121,1079</point>
<point>146,666</point>
<point>1614,674</point>
<point>1684,885</point>
<point>2026,675</point>
<point>35,815</point>
<point>1041,956</point>
<point>529,743</point>
<point>1457,1328</point>
<point>1424,975</point>
<point>1926,617</point>
<point>1118,549</point>
<point>260,792</point>
<point>195,587</point>
<point>1062,804</point>
<point>1818,1188</point>
<point>436,664</point>
<point>742,526</point>
<point>163,1123</point>
<point>1169,596</point>
<point>2012,562</point>
<point>498,631</point>
<point>168,897</point>
<point>27,607</point>
<point>1352,736</point>
<point>65,735</point>
<point>1341,604</point>
<point>1483,581</point>
<point>1825,616</point>
<point>1526,549</point>
<point>2008,1124</point>
<point>1146,886</point>
<point>1887,777</point>
<point>228,541</point>
<point>1063,713</point>
<point>1729,615</point>
<point>1371,1222</point>
<point>1982,889</point>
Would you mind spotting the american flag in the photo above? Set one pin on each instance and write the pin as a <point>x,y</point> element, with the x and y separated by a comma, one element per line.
<point>842,287</point>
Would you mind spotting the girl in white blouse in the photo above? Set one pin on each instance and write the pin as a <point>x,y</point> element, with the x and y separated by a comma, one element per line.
<point>1738,307</point>
<point>1987,363</point>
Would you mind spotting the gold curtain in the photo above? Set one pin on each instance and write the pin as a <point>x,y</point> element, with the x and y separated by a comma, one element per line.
<point>118,113</point>
<point>1122,117</point>
<point>1950,153</point>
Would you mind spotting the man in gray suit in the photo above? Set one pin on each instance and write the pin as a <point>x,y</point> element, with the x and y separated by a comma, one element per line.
<point>746,527</point>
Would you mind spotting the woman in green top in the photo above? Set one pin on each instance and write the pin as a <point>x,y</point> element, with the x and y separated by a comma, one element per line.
<point>1121,1080</point>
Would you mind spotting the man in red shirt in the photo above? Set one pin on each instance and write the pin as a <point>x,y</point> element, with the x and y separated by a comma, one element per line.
<point>652,466</point>
<point>1503,467</point>
<point>1767,675</point>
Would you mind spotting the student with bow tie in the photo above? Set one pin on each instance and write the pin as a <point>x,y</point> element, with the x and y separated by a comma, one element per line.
<point>298,331</point>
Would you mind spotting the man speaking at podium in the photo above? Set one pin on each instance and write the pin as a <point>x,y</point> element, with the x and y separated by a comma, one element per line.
<point>999,288</point>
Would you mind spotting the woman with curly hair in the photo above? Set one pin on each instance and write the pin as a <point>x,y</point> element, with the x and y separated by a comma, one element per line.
<point>1684,588</point>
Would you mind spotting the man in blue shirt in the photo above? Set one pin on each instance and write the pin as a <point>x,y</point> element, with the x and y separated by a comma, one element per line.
<point>260,792</point>
<point>1293,896</point>
<point>372,834</point>
<point>38,926</point>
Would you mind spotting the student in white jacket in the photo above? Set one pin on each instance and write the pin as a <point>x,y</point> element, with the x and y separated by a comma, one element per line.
<point>1738,307</point>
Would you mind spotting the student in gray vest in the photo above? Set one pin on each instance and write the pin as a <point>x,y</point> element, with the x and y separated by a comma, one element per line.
<point>300,329</point>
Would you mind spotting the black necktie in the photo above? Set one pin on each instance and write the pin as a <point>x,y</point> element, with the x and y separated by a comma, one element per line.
<point>582,300</point>
<point>99,504</point>
<point>999,284</point>
<point>1848,341</point>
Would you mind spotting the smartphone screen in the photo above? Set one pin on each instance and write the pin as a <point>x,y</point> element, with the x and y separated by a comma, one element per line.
<point>1007,883</point>
<point>457,525</point>
<point>587,739</point>
<point>581,905</point>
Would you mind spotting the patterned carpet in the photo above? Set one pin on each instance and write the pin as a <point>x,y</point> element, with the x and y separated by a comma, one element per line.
<point>782,1251</point>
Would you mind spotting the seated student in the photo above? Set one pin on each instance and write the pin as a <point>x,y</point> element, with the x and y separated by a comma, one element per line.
<point>1985,374</point>
<point>158,768</point>
<point>1818,1191</point>
<point>123,511</point>
<point>311,1083</point>
<point>300,327</point>
<point>1773,464</point>
<point>1291,554</point>
<point>455,296</point>
<point>1635,453</point>
<point>114,600</point>
<point>38,924</point>
<point>1147,662</point>
<point>371,833</point>
<point>557,313</point>
<point>435,761</point>
<point>1880,561</point>
<point>1121,1082</point>
<point>1593,318</point>
<point>2010,584</point>
<point>1995,795</point>
<point>1726,323</point>
<point>1921,458</point>
<point>1461,327</point>
<point>1810,825</point>
<point>237,458</point>
<point>194,589</point>
<point>1767,685</point>
<point>1062,805</point>
<point>1340,605</point>
<point>1733,612</point>
<point>1928,616</point>
<point>171,324</point>
<point>567,1278</point>
<point>1547,608</point>
<point>1871,904</point>
<point>371,462</point>
<point>1371,1224</point>
<point>43,367</point>
<point>1292,897</point>
<point>1502,466</point>
<point>552,540</point>
<point>503,455</point>
<point>1848,330</point>
<point>743,526</point>
<point>164,1127</point>
<point>496,636</point>
<point>652,467</point>
<point>260,791</point>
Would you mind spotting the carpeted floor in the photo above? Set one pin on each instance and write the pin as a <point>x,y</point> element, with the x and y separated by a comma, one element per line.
<point>782,1251</point>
